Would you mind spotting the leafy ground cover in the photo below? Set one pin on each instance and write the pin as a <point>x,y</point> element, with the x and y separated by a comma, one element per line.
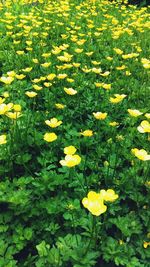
<point>74,134</point>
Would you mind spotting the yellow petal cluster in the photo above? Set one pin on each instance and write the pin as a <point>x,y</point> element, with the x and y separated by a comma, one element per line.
<point>53,123</point>
<point>70,91</point>
<point>108,195</point>
<point>3,139</point>
<point>37,87</point>
<point>71,159</point>
<point>144,127</point>
<point>118,51</point>
<point>70,150</point>
<point>4,108</point>
<point>100,115</point>
<point>31,94</point>
<point>146,63</point>
<point>134,112</point>
<point>50,137</point>
<point>140,154</point>
<point>13,115</point>
<point>87,133</point>
<point>94,203</point>
<point>59,106</point>
<point>113,123</point>
<point>6,80</point>
<point>146,244</point>
<point>118,98</point>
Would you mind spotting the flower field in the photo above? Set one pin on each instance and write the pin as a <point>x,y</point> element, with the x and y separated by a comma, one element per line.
<point>74,134</point>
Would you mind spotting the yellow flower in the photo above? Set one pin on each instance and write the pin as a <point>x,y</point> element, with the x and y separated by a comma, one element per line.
<point>105,74</point>
<point>11,73</point>
<point>65,58</point>
<point>134,112</point>
<point>147,115</point>
<point>98,84</point>
<point>42,78</point>
<point>96,70</point>
<point>78,50</point>
<point>118,51</point>
<point>62,76</point>
<point>70,91</point>
<point>16,42</point>
<point>70,150</point>
<point>59,106</point>
<point>106,86</point>
<point>140,154</point>
<point>121,67</point>
<point>46,55</point>
<point>131,55</point>
<point>5,108</point>
<point>50,137</point>
<point>20,52</point>
<point>27,69</point>
<point>70,80</point>
<point>6,95</point>
<point>89,53</point>
<point>13,115</point>
<point>108,195</point>
<point>51,76</point>
<point>71,160</point>
<point>20,76</point>
<point>86,70</point>
<point>118,98</point>
<point>146,63</point>
<point>31,94</point>
<point>113,123</point>
<point>109,58</point>
<point>76,65</point>
<point>53,123</point>
<point>87,133</point>
<point>2,100</point>
<point>95,62</point>
<point>29,48</point>
<point>94,203</point>
<point>36,80</point>
<point>46,64</point>
<point>29,43</point>
<point>35,60</point>
<point>7,80</point>
<point>56,50</point>
<point>3,139</point>
<point>17,107</point>
<point>128,73</point>
<point>103,85</point>
<point>146,244</point>
<point>36,87</point>
<point>144,127</point>
<point>100,115</point>
<point>81,42</point>
<point>47,84</point>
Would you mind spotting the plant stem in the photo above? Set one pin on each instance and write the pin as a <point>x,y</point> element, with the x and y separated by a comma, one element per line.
<point>92,235</point>
<point>74,229</point>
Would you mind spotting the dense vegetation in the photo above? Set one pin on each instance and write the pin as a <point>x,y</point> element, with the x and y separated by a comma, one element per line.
<point>74,134</point>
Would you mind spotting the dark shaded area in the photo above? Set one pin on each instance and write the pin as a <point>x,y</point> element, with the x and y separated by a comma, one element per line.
<point>139,2</point>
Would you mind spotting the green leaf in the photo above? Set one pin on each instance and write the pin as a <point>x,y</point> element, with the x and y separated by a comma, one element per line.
<point>42,249</point>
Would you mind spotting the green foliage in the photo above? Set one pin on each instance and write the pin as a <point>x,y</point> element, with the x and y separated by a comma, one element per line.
<point>43,222</point>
